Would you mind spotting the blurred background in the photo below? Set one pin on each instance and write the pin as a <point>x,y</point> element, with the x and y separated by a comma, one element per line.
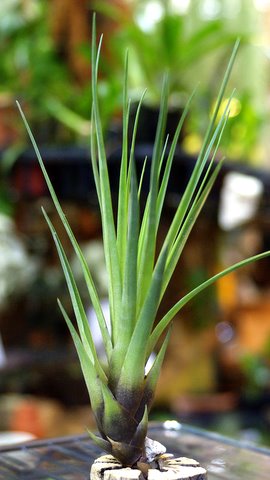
<point>217,370</point>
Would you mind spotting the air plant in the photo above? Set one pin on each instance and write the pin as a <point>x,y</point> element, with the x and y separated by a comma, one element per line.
<point>121,391</point>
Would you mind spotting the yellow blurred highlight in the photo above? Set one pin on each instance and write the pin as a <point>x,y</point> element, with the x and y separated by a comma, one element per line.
<point>234,108</point>
<point>227,291</point>
<point>192,143</point>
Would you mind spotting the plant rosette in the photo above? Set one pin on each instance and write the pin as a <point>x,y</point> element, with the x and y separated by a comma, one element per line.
<point>121,389</point>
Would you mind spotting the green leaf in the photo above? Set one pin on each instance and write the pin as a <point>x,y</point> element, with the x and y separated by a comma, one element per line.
<point>124,182</point>
<point>190,220</point>
<point>127,318</point>
<point>153,376</point>
<point>129,453</point>
<point>100,442</point>
<point>117,423</point>
<point>94,162</point>
<point>196,182</point>
<point>141,431</point>
<point>220,97</point>
<point>126,453</point>
<point>142,177</point>
<point>166,175</point>
<point>130,377</point>
<point>106,208</point>
<point>82,320</point>
<point>87,275</point>
<point>122,210</point>
<point>194,210</point>
<point>88,369</point>
<point>165,321</point>
<point>147,240</point>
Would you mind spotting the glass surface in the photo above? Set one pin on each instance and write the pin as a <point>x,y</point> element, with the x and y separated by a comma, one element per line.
<point>70,458</point>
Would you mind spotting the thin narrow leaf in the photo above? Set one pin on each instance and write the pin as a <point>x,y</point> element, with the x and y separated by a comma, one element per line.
<point>82,320</point>
<point>89,372</point>
<point>153,375</point>
<point>135,128</point>
<point>187,226</point>
<point>222,124</point>
<point>87,275</point>
<point>141,431</point>
<point>220,96</point>
<point>165,321</point>
<point>100,442</point>
<point>147,240</point>
<point>126,453</point>
<point>193,213</point>
<point>107,217</point>
<point>123,184</point>
<point>129,299</point>
<point>137,350</point>
<point>94,162</point>
<point>166,175</point>
<point>127,320</point>
<point>163,156</point>
<point>142,177</point>
<point>196,179</point>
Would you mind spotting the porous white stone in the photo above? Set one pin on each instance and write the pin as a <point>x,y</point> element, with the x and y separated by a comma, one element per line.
<point>169,468</point>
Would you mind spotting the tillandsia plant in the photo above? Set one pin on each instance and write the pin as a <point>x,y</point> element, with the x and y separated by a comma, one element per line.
<point>121,391</point>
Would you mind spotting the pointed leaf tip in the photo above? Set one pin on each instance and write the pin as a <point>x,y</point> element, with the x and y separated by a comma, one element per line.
<point>100,442</point>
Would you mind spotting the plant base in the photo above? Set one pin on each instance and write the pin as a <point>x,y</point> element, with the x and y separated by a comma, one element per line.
<point>165,467</point>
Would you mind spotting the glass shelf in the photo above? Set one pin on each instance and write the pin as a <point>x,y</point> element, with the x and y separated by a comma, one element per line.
<point>70,458</point>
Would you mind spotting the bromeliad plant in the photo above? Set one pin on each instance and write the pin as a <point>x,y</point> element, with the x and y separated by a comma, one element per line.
<point>121,391</point>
